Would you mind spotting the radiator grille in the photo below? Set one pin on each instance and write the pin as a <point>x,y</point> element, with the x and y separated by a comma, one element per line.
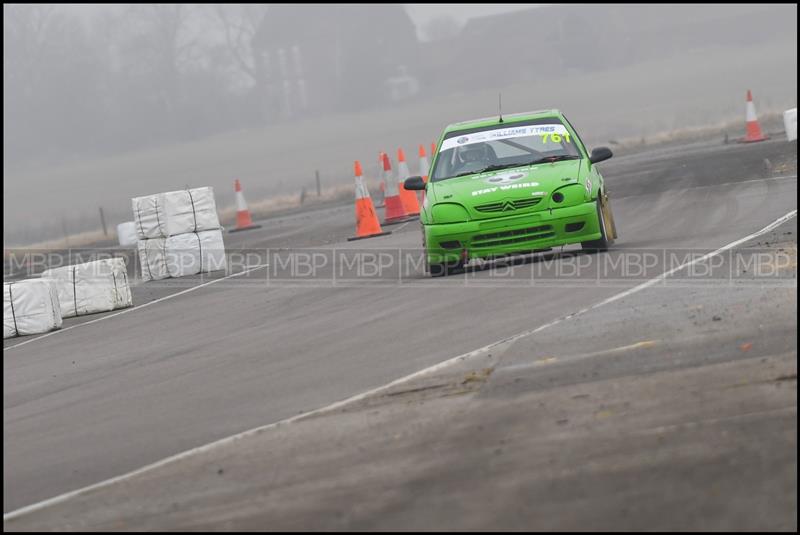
<point>508,205</point>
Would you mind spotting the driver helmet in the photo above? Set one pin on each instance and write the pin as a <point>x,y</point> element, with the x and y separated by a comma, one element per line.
<point>472,153</point>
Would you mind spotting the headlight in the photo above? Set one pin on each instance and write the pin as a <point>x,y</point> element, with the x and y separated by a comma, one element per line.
<point>567,196</point>
<point>447,212</point>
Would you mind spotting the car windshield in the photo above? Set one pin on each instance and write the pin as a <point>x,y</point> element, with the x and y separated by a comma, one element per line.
<point>504,146</point>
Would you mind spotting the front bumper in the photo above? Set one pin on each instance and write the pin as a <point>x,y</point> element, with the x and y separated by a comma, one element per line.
<point>512,234</point>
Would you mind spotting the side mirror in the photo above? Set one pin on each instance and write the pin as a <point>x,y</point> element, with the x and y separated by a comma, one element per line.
<point>599,154</point>
<point>414,183</point>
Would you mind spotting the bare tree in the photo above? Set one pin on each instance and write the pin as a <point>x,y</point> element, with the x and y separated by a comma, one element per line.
<point>161,44</point>
<point>246,72</point>
<point>128,77</point>
<point>25,28</point>
<point>240,23</point>
<point>44,49</point>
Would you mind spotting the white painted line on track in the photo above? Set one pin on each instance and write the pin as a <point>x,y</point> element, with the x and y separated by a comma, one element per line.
<point>200,449</point>
<point>138,307</point>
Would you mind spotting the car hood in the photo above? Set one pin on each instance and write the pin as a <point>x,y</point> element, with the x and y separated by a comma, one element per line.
<point>509,191</point>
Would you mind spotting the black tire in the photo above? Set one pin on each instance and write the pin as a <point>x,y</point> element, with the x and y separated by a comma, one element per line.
<point>441,270</point>
<point>437,270</point>
<point>457,268</point>
<point>604,242</point>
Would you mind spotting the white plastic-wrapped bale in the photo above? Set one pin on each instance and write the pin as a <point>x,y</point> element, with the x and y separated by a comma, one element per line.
<point>30,307</point>
<point>175,212</point>
<point>153,259</point>
<point>126,233</point>
<point>182,255</point>
<point>790,124</point>
<point>92,287</point>
<point>146,217</point>
<point>197,252</point>
<point>192,210</point>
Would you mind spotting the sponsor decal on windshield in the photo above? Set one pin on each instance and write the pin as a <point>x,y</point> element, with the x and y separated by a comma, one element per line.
<point>503,133</point>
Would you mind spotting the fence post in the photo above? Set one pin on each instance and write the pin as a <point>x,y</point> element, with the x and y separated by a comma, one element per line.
<point>319,188</point>
<point>64,229</point>
<point>103,221</point>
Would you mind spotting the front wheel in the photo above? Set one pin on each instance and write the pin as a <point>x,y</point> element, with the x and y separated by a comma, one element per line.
<point>437,270</point>
<point>440,270</point>
<point>607,228</point>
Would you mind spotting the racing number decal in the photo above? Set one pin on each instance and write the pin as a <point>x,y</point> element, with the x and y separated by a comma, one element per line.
<point>555,138</point>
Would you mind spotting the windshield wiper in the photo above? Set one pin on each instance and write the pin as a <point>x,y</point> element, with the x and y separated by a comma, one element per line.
<point>550,159</point>
<point>497,167</point>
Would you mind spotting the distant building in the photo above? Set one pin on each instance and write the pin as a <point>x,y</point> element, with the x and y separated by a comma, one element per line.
<point>327,57</point>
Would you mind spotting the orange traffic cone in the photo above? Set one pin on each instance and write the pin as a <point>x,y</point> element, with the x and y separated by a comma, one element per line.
<point>382,184</point>
<point>433,149</point>
<point>409,198</point>
<point>394,212</point>
<point>367,225</point>
<point>424,167</point>
<point>753,130</point>
<point>243,219</point>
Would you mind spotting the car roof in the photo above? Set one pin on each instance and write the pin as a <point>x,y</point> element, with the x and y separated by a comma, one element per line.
<point>515,117</point>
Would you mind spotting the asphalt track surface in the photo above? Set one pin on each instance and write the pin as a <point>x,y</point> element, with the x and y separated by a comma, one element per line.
<point>108,397</point>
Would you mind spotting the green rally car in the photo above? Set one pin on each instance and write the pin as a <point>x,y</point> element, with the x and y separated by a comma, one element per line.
<point>510,185</point>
